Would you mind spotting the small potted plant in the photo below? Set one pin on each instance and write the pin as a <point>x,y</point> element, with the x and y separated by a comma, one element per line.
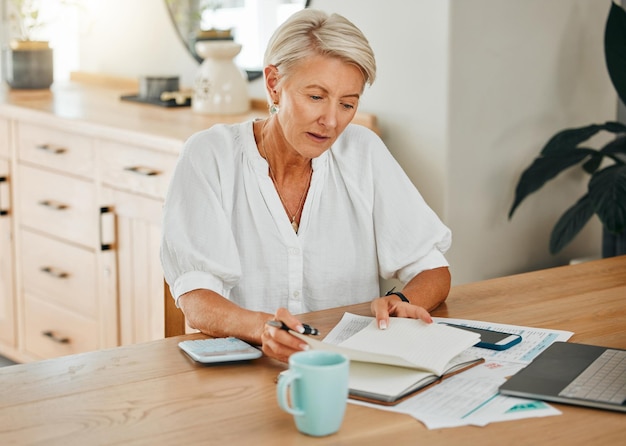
<point>27,61</point>
<point>606,166</point>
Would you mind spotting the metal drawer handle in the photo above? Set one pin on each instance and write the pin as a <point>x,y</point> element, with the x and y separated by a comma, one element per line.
<point>52,204</point>
<point>55,338</point>
<point>3,211</point>
<point>54,272</point>
<point>107,228</point>
<point>56,150</point>
<point>142,170</point>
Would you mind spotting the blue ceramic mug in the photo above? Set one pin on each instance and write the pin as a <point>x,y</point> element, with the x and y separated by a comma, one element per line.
<point>315,391</point>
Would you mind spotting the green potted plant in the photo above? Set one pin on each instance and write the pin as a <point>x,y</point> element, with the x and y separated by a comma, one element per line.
<point>606,166</point>
<point>27,62</point>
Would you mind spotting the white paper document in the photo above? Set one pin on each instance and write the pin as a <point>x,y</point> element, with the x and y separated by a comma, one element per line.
<point>471,397</point>
<point>534,340</point>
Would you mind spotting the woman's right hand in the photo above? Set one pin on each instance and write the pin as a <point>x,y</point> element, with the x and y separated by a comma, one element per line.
<point>278,343</point>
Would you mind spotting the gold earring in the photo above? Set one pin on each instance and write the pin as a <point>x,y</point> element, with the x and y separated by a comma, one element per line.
<point>274,108</point>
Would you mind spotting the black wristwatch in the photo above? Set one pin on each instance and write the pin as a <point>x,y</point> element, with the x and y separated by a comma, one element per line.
<point>397,293</point>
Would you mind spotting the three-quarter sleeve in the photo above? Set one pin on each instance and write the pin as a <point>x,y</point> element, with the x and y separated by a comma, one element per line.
<point>198,249</point>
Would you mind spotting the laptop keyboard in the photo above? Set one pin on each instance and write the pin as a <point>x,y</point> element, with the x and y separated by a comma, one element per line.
<point>604,380</point>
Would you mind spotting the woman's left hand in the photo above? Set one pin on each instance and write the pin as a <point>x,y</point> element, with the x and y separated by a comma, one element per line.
<point>386,306</point>
<point>429,288</point>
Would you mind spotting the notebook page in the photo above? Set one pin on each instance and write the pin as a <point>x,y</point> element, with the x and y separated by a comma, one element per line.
<point>376,380</point>
<point>369,376</point>
<point>356,354</point>
<point>427,346</point>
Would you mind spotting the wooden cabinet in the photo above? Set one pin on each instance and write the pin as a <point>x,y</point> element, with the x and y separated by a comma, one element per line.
<point>58,234</point>
<point>8,324</point>
<point>135,181</point>
<point>89,237</point>
<point>133,265</point>
<point>88,234</point>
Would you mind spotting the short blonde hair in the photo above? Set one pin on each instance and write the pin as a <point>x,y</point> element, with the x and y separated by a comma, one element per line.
<point>312,32</point>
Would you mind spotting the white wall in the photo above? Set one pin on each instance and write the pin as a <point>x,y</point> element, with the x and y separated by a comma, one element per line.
<point>132,38</point>
<point>467,93</point>
<point>519,72</point>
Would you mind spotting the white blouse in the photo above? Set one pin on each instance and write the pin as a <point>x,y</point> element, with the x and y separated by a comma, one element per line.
<point>225,229</point>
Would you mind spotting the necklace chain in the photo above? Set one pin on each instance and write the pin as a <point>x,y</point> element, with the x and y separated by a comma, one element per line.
<point>294,223</point>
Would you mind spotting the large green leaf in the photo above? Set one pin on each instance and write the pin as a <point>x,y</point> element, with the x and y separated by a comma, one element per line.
<point>543,169</point>
<point>615,48</point>
<point>570,224</point>
<point>607,192</point>
<point>569,139</point>
<point>563,151</point>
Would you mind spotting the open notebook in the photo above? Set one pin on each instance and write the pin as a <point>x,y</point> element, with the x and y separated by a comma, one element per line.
<point>388,365</point>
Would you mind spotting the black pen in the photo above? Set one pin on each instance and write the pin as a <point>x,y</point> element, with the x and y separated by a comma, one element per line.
<point>308,330</point>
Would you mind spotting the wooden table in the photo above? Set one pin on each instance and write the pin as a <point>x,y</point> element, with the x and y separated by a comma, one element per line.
<point>153,394</point>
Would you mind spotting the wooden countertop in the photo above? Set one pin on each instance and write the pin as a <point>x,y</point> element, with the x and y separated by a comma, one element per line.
<point>92,104</point>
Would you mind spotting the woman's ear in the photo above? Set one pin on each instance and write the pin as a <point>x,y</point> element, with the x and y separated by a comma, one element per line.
<point>272,76</point>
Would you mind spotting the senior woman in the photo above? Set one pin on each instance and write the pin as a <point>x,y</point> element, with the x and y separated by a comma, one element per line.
<point>301,211</point>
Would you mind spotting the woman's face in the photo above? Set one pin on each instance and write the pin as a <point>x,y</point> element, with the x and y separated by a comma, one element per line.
<point>317,100</point>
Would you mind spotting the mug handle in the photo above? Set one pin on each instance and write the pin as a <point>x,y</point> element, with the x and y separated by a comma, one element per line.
<point>282,391</point>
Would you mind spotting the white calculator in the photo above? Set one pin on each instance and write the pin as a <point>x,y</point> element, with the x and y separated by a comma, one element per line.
<point>220,350</point>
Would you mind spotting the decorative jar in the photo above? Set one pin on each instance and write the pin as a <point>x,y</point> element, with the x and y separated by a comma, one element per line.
<point>220,86</point>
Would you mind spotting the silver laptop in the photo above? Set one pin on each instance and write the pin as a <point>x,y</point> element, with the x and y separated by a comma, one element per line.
<point>579,374</point>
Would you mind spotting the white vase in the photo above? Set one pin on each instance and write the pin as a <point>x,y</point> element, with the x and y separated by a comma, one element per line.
<point>220,87</point>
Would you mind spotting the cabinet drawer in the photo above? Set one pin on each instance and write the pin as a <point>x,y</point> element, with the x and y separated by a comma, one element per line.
<point>4,137</point>
<point>55,149</point>
<point>58,205</point>
<point>59,273</point>
<point>136,169</point>
<point>51,331</point>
